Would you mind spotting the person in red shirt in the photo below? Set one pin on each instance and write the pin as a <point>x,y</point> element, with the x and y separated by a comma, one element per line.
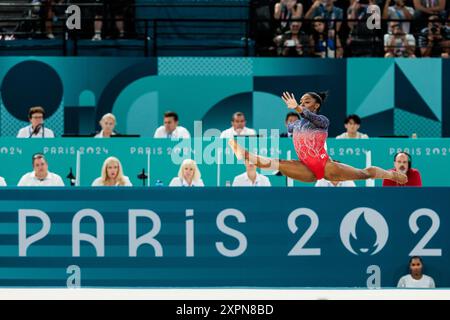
<point>402,163</point>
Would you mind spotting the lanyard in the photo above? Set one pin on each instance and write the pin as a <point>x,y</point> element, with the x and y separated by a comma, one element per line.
<point>31,132</point>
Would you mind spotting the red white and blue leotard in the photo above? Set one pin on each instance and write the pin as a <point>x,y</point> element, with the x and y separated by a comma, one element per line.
<point>310,134</point>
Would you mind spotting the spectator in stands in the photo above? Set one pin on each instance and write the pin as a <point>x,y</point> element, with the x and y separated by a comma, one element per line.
<point>36,129</point>
<point>427,8</point>
<point>403,164</point>
<point>47,14</point>
<point>398,43</point>
<point>40,176</point>
<point>251,178</point>
<point>287,10</point>
<point>108,123</point>
<point>6,37</point>
<point>116,9</point>
<point>322,41</point>
<point>416,278</point>
<point>47,11</point>
<point>434,40</point>
<point>112,174</point>
<point>171,129</point>
<point>362,41</point>
<point>398,11</point>
<point>238,127</point>
<point>328,11</point>
<point>352,123</point>
<point>291,117</point>
<point>188,176</point>
<point>293,43</point>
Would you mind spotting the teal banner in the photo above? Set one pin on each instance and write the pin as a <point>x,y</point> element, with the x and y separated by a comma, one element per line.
<point>161,158</point>
<point>221,237</point>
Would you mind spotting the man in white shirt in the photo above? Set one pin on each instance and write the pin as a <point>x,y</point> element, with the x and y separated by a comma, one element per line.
<point>40,177</point>
<point>399,44</point>
<point>416,279</point>
<point>2,182</point>
<point>326,183</point>
<point>171,129</point>
<point>238,127</point>
<point>352,124</point>
<point>398,11</point>
<point>251,178</point>
<point>36,129</point>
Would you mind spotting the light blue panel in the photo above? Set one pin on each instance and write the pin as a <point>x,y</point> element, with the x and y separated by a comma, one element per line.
<point>269,111</point>
<point>143,115</point>
<point>426,77</point>
<point>127,98</point>
<point>380,97</point>
<point>362,76</point>
<point>87,98</point>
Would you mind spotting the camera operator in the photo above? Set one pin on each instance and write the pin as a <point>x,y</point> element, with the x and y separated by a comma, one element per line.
<point>434,40</point>
<point>397,43</point>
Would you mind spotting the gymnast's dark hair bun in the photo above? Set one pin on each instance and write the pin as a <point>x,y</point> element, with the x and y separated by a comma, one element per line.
<point>323,95</point>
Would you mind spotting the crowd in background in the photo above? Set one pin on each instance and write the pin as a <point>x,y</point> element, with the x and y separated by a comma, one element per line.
<point>339,28</point>
<point>291,28</point>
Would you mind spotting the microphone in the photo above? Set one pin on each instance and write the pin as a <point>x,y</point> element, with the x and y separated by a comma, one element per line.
<point>143,177</point>
<point>71,177</point>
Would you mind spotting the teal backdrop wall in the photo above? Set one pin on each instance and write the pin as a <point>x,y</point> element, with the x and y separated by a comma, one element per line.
<point>161,158</point>
<point>393,96</point>
<point>221,237</point>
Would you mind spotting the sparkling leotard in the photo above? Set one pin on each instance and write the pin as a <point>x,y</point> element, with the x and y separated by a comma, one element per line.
<point>309,135</point>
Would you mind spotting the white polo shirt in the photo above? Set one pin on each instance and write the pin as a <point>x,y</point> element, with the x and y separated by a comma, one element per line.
<point>2,182</point>
<point>409,282</point>
<point>326,183</point>
<point>51,180</point>
<point>179,132</point>
<point>230,133</point>
<point>100,134</point>
<point>27,131</point>
<point>359,135</point>
<point>178,182</point>
<point>243,180</point>
<point>98,182</point>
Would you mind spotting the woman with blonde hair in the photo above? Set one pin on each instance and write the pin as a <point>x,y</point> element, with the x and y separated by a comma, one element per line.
<point>108,123</point>
<point>188,176</point>
<point>112,174</point>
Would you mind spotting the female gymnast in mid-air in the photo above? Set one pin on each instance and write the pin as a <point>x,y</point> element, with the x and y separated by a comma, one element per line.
<point>309,136</point>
